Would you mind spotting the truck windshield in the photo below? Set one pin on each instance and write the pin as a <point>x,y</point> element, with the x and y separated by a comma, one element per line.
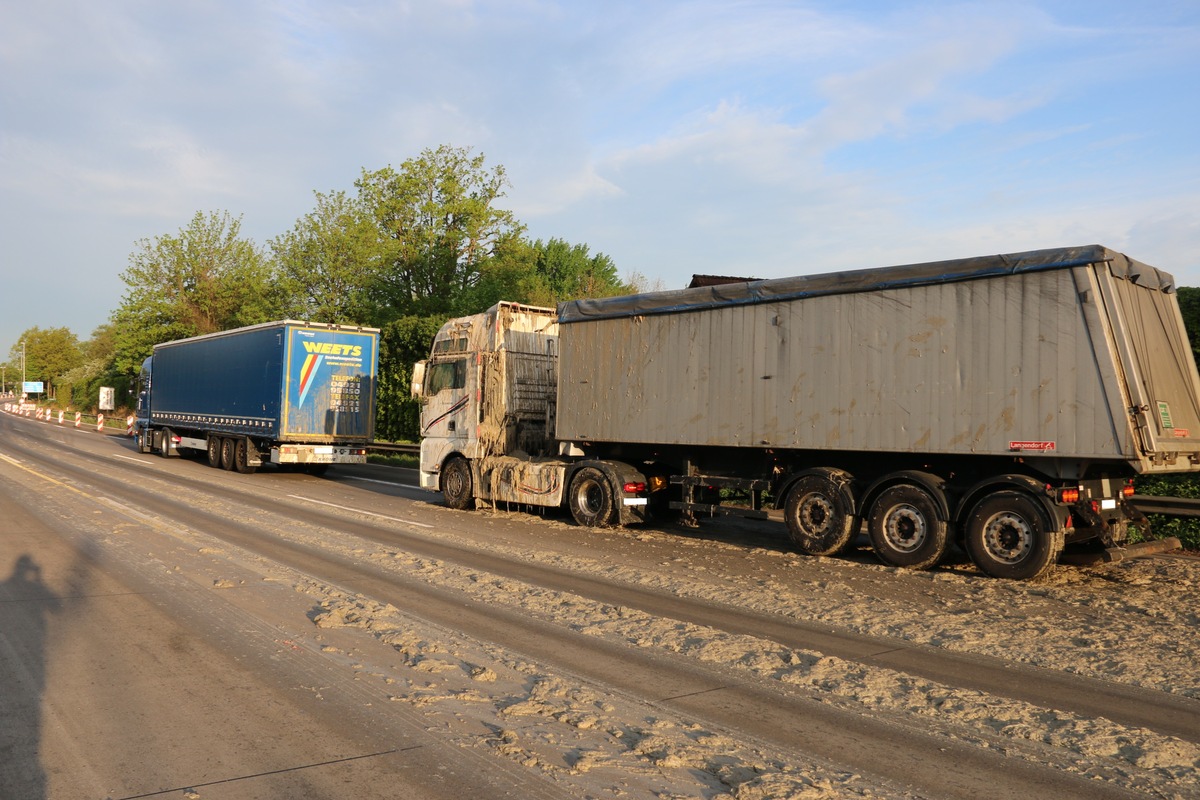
<point>446,375</point>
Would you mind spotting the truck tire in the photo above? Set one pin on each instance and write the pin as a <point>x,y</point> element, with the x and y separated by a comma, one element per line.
<point>591,499</point>
<point>241,457</point>
<point>214,451</point>
<point>1008,536</point>
<point>164,444</point>
<point>819,519</point>
<point>905,529</point>
<point>144,439</point>
<point>457,486</point>
<point>227,453</point>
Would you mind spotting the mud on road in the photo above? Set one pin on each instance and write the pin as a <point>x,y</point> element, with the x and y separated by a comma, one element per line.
<point>500,652</point>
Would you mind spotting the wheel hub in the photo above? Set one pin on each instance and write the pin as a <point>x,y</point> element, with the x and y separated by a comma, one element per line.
<point>1008,538</point>
<point>590,498</point>
<point>816,513</point>
<point>905,528</point>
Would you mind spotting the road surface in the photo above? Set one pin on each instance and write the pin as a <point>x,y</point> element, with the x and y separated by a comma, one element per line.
<point>171,630</point>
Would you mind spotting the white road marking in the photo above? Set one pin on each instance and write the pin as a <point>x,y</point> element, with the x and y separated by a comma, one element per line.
<point>374,480</point>
<point>359,511</point>
<point>141,461</point>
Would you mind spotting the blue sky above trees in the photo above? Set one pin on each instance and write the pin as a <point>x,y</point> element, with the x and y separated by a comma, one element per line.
<point>747,138</point>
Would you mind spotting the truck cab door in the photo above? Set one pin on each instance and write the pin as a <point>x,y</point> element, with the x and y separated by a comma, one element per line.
<point>446,409</point>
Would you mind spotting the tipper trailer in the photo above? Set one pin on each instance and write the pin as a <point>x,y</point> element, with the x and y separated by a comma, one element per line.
<point>1002,402</point>
<point>288,393</point>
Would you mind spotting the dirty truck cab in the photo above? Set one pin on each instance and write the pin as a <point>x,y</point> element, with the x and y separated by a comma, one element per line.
<point>488,397</point>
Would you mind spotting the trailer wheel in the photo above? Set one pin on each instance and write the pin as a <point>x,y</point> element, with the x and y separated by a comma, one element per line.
<point>228,453</point>
<point>457,485</point>
<point>241,457</point>
<point>1008,536</point>
<point>591,499</point>
<point>818,517</point>
<point>905,529</point>
<point>214,451</point>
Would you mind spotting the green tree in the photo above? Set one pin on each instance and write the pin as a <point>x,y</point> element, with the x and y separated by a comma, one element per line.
<point>80,386</point>
<point>510,274</point>
<point>402,343</point>
<point>543,274</point>
<point>571,272</point>
<point>328,263</point>
<point>437,218</point>
<point>205,279</point>
<point>46,355</point>
<point>1189,306</point>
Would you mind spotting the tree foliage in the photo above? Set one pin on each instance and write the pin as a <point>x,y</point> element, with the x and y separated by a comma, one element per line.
<point>1189,307</point>
<point>44,355</point>
<point>402,343</point>
<point>411,247</point>
<point>328,264</point>
<point>205,279</point>
<point>544,274</point>
<point>438,223</point>
<point>80,387</point>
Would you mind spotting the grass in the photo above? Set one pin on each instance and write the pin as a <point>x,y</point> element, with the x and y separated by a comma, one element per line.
<point>1161,526</point>
<point>397,460</point>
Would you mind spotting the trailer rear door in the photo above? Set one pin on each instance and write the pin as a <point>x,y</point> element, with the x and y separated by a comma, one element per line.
<point>1156,358</point>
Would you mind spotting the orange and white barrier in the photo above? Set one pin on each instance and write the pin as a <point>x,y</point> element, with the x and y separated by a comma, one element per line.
<point>99,422</point>
<point>78,418</point>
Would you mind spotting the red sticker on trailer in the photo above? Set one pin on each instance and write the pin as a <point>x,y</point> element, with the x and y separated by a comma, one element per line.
<point>1181,433</point>
<point>1038,446</point>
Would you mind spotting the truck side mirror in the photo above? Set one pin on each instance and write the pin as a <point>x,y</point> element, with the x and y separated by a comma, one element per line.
<point>418,379</point>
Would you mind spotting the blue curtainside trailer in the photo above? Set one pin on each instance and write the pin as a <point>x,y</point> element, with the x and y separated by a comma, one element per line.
<point>288,392</point>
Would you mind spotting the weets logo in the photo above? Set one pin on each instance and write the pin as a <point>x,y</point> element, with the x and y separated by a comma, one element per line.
<point>316,354</point>
<point>331,349</point>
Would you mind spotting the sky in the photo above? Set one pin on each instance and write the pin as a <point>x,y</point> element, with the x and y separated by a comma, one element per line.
<point>757,139</point>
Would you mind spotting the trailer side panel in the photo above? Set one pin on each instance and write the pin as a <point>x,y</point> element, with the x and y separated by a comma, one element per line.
<point>1024,362</point>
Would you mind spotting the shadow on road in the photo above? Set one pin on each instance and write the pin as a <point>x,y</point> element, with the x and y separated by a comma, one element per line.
<point>25,604</point>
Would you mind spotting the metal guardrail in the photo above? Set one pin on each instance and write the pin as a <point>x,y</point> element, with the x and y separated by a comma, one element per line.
<point>1170,506</point>
<point>403,449</point>
<point>110,423</point>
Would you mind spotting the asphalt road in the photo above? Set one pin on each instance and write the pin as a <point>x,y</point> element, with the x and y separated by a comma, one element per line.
<point>167,629</point>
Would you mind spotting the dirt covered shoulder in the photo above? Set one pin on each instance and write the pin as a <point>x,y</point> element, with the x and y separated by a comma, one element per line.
<point>1130,623</point>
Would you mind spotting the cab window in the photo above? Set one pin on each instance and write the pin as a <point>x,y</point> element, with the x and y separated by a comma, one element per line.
<point>446,375</point>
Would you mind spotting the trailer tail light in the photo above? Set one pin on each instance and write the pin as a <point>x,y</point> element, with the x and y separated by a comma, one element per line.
<point>634,487</point>
<point>1127,490</point>
<point>657,483</point>
<point>1068,496</point>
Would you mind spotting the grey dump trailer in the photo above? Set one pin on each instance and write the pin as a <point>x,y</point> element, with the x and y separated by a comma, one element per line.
<point>1001,402</point>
